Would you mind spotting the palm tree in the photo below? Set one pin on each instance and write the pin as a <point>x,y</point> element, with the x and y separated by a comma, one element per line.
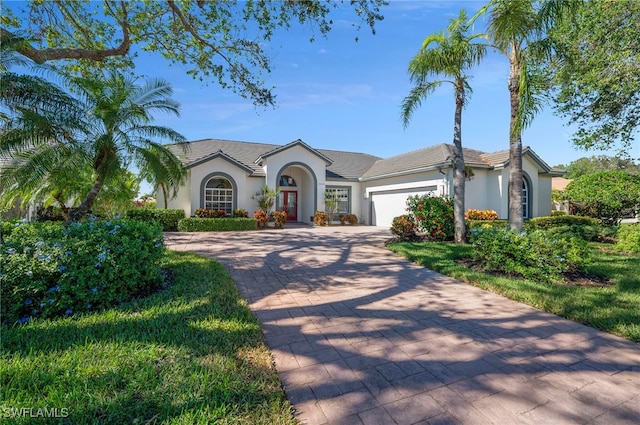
<point>517,29</point>
<point>446,59</point>
<point>512,25</point>
<point>105,124</point>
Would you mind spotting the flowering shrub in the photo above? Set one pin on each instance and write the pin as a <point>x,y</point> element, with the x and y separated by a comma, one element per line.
<point>532,254</point>
<point>320,218</point>
<point>205,213</point>
<point>279,218</point>
<point>472,214</point>
<point>49,270</point>
<point>404,228</point>
<point>262,217</point>
<point>348,218</point>
<point>432,215</point>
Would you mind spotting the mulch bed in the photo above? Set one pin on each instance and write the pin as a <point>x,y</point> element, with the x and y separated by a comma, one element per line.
<point>570,278</point>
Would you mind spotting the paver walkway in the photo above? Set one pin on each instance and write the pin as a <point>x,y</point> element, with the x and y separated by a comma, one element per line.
<point>362,336</point>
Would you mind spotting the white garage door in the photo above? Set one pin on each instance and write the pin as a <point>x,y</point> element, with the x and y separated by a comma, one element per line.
<point>389,204</point>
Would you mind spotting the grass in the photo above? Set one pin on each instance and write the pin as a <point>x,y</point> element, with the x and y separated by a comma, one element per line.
<point>614,309</point>
<point>192,354</point>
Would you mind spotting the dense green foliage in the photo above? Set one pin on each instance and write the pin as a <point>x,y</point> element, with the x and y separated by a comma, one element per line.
<point>606,195</point>
<point>532,254</point>
<point>167,219</point>
<point>594,164</point>
<point>629,238</point>
<point>50,270</point>
<point>486,224</point>
<point>548,222</point>
<point>88,132</point>
<point>433,215</point>
<point>404,228</point>
<point>190,354</point>
<point>597,72</point>
<point>614,308</point>
<point>216,224</point>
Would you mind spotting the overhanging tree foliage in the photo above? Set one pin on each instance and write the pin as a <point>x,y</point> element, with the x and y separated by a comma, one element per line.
<point>221,41</point>
<point>596,64</point>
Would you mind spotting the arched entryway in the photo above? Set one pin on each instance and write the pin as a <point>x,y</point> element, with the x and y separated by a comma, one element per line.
<point>298,187</point>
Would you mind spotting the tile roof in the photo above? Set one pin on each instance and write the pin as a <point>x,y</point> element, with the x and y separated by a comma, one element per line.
<point>347,165</point>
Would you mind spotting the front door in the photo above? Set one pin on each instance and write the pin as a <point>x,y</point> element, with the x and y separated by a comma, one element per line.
<point>290,204</point>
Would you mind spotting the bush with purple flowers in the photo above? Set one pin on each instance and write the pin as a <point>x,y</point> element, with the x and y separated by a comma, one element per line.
<point>49,270</point>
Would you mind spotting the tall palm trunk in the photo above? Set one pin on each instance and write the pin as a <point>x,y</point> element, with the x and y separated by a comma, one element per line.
<point>459,177</point>
<point>515,145</point>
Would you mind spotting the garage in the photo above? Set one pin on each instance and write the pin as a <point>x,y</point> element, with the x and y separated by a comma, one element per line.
<point>387,204</point>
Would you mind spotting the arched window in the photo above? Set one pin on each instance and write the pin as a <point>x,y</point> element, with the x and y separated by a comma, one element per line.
<point>287,181</point>
<point>218,195</point>
<point>525,199</point>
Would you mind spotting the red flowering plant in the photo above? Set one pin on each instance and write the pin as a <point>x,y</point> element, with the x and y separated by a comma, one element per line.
<point>433,215</point>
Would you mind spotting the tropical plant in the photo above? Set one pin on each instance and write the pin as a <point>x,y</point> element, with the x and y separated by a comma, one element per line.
<point>513,25</point>
<point>279,219</point>
<point>331,203</point>
<point>404,228</point>
<point>445,59</point>
<point>266,198</point>
<point>105,124</point>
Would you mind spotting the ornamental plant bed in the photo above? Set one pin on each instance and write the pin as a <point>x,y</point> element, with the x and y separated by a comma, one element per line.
<point>573,278</point>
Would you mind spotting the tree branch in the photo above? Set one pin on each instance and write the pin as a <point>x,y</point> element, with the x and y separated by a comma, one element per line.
<point>41,56</point>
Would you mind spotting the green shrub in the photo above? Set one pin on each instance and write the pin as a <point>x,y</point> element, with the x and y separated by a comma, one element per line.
<point>216,224</point>
<point>49,270</point>
<point>486,224</point>
<point>167,219</point>
<point>607,195</point>
<point>629,238</point>
<point>404,228</point>
<point>433,215</point>
<point>240,213</point>
<point>558,213</point>
<point>560,220</point>
<point>531,254</point>
<point>586,232</point>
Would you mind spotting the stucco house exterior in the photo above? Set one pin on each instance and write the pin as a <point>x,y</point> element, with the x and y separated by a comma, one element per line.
<point>225,174</point>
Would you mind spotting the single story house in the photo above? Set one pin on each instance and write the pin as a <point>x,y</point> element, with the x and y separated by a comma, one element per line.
<point>225,174</point>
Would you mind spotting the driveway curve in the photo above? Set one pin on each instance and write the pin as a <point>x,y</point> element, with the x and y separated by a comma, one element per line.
<point>362,336</point>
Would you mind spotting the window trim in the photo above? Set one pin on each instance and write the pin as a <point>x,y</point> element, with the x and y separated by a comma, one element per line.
<point>349,198</point>
<point>219,174</point>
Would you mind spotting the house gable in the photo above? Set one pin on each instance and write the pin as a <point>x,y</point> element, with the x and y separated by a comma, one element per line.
<point>293,145</point>
<point>224,156</point>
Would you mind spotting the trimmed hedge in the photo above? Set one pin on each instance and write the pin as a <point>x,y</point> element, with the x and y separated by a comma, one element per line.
<point>216,224</point>
<point>168,219</point>
<point>560,220</point>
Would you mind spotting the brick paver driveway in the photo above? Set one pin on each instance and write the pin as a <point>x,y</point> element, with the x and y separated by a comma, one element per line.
<point>360,335</point>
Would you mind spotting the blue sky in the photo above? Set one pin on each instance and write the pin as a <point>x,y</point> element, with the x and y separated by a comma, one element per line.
<point>336,93</point>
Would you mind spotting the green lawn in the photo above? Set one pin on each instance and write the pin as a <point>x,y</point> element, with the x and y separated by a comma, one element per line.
<point>192,354</point>
<point>615,309</point>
